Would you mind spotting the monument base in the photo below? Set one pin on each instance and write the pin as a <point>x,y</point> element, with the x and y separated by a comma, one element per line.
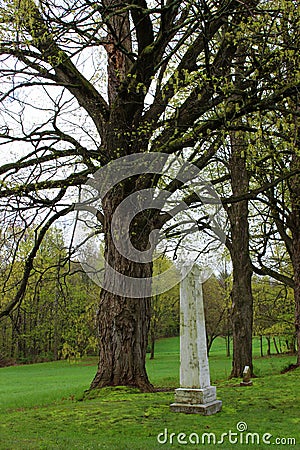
<point>196,401</point>
<point>204,410</point>
<point>246,383</point>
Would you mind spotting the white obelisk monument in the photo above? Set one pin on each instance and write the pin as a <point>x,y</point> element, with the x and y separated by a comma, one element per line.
<point>195,394</point>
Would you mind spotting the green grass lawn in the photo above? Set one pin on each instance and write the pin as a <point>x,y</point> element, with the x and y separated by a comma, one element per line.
<point>42,408</point>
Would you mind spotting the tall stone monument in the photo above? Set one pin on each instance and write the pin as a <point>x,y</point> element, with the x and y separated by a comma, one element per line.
<point>195,394</point>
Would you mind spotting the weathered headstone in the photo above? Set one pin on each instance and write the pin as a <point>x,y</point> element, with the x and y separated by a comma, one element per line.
<point>195,394</point>
<point>246,377</point>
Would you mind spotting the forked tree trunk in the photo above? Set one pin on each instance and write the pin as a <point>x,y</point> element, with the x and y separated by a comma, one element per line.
<point>123,322</point>
<point>242,299</point>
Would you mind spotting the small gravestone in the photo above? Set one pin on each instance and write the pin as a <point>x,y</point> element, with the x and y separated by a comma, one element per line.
<point>195,394</point>
<point>246,377</point>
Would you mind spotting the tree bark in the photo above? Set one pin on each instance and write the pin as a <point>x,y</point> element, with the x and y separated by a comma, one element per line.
<point>242,300</point>
<point>123,322</point>
<point>123,325</point>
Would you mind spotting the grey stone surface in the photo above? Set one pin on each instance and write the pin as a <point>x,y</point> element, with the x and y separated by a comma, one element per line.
<point>206,410</point>
<point>194,368</point>
<point>196,395</point>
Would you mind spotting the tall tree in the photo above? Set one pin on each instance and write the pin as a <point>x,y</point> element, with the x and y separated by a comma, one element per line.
<point>169,86</point>
<point>242,299</point>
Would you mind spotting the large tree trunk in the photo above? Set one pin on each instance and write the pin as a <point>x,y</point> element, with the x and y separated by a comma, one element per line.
<point>123,322</point>
<point>123,342</point>
<point>242,300</point>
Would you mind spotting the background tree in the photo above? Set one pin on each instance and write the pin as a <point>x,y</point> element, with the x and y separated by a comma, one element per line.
<point>216,310</point>
<point>164,309</point>
<point>275,241</point>
<point>57,316</point>
<point>274,314</point>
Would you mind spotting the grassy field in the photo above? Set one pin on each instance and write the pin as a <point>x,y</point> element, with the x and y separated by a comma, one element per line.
<point>42,407</point>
